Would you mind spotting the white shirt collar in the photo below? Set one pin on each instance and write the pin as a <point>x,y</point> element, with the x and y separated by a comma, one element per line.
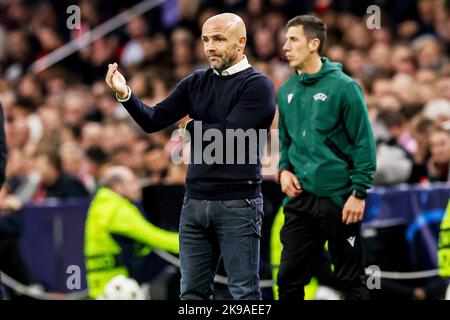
<point>240,66</point>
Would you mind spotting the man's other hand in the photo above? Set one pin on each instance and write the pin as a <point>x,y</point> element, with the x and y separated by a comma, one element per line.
<point>353,210</point>
<point>290,184</point>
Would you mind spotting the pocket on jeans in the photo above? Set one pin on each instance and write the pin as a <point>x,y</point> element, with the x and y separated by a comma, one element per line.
<point>259,215</point>
<point>236,205</point>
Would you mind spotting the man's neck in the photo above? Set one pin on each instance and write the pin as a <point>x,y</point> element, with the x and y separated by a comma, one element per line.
<point>312,65</point>
<point>52,179</point>
<point>236,61</point>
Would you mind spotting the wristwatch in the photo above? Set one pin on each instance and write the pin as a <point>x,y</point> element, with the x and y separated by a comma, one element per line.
<point>359,194</point>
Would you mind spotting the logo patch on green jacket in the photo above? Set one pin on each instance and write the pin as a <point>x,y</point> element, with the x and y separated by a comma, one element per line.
<point>289,97</point>
<point>320,96</point>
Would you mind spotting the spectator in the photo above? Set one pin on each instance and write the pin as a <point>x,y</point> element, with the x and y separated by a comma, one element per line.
<point>438,164</point>
<point>437,110</point>
<point>396,123</point>
<point>133,51</point>
<point>421,130</point>
<point>156,164</point>
<point>54,181</point>
<point>96,161</point>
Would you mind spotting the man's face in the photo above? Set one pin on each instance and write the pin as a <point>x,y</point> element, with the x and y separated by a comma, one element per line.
<point>131,188</point>
<point>221,44</point>
<point>44,168</point>
<point>440,147</point>
<point>296,47</point>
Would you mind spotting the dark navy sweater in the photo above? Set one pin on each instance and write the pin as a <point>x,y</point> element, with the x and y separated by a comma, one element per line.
<point>244,100</point>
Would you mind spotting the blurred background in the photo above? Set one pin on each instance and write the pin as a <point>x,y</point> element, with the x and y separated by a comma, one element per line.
<point>64,126</point>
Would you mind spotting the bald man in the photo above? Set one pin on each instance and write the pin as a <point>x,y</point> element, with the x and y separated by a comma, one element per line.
<point>112,216</point>
<point>223,206</point>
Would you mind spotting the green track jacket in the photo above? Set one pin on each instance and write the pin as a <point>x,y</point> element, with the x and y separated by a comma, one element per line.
<point>325,134</point>
<point>110,213</point>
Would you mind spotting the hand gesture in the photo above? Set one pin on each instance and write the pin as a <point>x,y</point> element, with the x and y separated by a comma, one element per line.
<point>116,81</point>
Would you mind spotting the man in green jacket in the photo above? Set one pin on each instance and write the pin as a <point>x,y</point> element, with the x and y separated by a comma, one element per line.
<point>110,214</point>
<point>326,164</point>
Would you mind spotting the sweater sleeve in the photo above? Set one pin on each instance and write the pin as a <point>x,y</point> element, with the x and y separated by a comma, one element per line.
<point>163,114</point>
<point>130,223</point>
<point>359,130</point>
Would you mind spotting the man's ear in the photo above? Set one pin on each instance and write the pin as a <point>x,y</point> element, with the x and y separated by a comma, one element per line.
<point>314,45</point>
<point>242,43</point>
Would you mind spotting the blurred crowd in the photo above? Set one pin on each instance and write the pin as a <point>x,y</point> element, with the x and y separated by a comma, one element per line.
<point>64,126</point>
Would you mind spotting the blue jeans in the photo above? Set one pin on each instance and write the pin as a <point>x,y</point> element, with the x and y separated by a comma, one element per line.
<point>211,229</point>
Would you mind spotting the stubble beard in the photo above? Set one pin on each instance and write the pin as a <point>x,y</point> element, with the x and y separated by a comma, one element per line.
<point>227,63</point>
